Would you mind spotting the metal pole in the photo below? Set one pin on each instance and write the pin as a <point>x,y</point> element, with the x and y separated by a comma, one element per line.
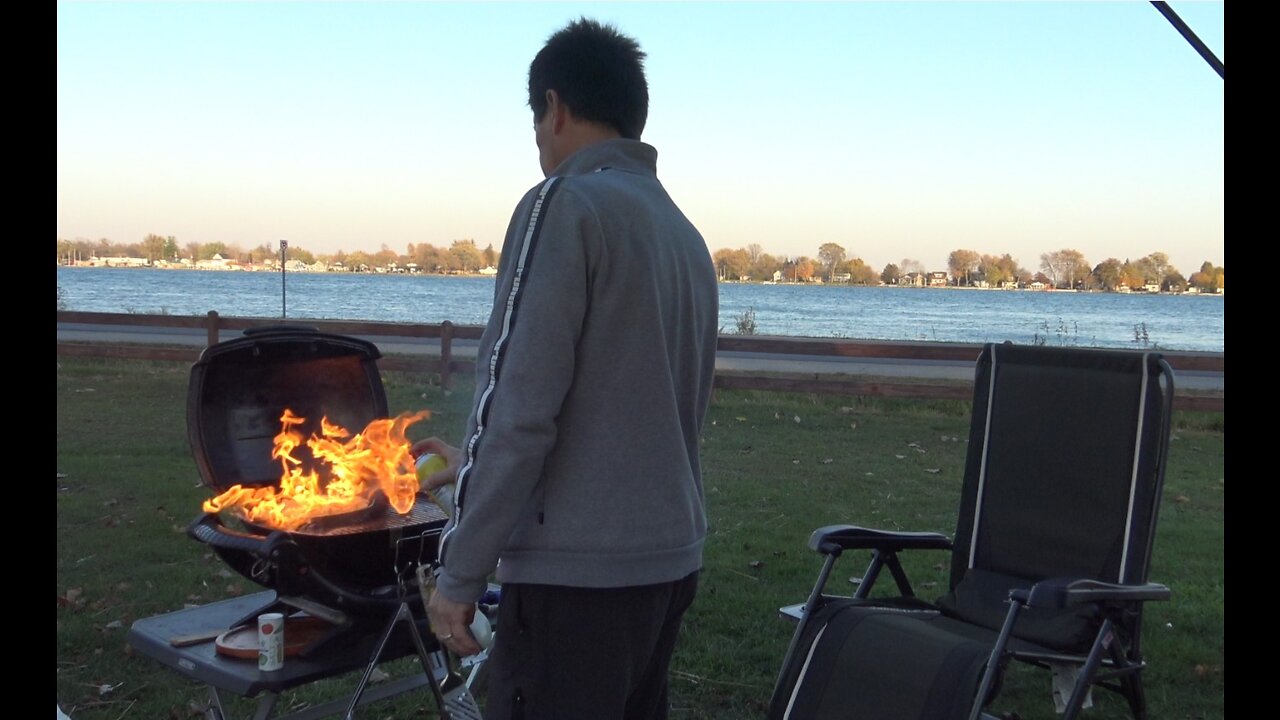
<point>1192,38</point>
<point>284,255</point>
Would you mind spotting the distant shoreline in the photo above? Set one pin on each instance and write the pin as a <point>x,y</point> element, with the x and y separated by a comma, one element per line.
<point>403,273</point>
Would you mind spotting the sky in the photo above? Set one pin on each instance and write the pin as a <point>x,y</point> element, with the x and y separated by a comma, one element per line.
<point>898,130</point>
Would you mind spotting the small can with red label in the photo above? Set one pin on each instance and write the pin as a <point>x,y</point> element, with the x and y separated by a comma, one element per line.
<point>270,641</point>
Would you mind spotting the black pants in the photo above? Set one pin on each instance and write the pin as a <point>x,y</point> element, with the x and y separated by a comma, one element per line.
<point>565,653</point>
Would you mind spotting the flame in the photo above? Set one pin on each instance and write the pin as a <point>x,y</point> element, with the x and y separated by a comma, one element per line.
<point>358,468</point>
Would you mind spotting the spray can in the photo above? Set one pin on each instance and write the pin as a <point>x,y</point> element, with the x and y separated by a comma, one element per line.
<point>427,464</point>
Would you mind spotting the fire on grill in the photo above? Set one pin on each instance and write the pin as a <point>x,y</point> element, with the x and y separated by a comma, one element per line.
<point>314,492</point>
<point>354,471</point>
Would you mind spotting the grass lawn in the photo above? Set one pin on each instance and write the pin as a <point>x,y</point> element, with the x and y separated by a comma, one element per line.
<point>776,465</point>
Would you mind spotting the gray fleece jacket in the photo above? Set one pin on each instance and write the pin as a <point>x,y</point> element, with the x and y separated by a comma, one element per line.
<point>580,463</point>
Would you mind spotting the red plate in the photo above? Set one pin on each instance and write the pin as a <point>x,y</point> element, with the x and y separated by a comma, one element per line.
<point>299,633</point>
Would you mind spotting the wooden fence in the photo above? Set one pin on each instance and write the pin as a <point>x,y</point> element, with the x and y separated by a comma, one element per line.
<point>446,362</point>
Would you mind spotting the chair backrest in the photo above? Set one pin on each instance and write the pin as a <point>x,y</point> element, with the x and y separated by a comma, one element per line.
<point>1064,469</point>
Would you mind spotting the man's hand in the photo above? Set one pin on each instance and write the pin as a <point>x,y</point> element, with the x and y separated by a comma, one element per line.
<point>451,623</point>
<point>451,455</point>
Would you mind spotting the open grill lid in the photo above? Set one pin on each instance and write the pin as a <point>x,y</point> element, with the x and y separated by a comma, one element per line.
<point>239,389</point>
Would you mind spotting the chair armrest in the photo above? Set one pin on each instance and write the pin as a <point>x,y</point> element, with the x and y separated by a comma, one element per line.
<point>835,538</point>
<point>1066,592</point>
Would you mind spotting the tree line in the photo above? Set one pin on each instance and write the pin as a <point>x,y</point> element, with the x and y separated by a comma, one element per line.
<point>1061,269</point>
<point>461,256</point>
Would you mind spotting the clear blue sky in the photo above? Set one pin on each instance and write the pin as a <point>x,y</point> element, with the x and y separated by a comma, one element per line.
<point>896,129</point>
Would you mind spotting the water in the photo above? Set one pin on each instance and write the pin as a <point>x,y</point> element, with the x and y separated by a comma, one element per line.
<point>1171,322</point>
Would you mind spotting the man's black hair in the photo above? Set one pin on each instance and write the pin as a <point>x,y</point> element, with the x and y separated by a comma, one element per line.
<point>598,73</point>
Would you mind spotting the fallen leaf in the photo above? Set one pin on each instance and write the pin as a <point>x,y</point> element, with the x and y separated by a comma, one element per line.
<point>71,598</point>
<point>755,564</point>
<point>1182,499</point>
<point>934,471</point>
<point>379,675</point>
<point>853,426</point>
<point>114,625</point>
<point>797,419</point>
<point>901,457</point>
<point>740,418</point>
<point>795,462</point>
<point>106,688</point>
<point>827,461</point>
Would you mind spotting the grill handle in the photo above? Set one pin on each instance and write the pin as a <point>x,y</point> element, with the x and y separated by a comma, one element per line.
<point>208,530</point>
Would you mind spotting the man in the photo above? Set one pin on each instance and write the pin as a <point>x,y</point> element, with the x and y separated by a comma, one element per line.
<point>579,478</point>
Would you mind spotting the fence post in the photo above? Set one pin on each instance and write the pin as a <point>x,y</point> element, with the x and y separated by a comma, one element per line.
<point>446,353</point>
<point>211,328</point>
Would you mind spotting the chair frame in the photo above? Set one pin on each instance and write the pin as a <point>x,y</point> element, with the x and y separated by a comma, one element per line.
<point>1114,661</point>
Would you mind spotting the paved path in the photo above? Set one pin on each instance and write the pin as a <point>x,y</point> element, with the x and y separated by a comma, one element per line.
<point>725,361</point>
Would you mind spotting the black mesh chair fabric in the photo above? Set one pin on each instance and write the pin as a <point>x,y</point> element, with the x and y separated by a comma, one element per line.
<point>946,666</point>
<point>1054,461</point>
<point>1063,475</point>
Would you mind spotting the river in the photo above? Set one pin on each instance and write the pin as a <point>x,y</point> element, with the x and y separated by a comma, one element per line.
<point>1138,320</point>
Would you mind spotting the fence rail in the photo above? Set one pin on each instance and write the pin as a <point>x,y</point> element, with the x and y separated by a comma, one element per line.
<point>447,362</point>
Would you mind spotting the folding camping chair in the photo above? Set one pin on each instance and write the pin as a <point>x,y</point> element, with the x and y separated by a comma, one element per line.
<point>1063,475</point>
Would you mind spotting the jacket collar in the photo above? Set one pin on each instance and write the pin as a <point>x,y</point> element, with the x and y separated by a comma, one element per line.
<point>617,153</point>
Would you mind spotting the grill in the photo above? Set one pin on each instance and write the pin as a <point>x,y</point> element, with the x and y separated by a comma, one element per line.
<point>359,562</point>
<point>355,571</point>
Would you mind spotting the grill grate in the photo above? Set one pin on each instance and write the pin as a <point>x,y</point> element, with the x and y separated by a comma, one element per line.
<point>424,512</point>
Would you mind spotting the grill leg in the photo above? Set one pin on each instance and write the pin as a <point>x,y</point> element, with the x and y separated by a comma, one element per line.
<point>402,614</point>
<point>263,710</point>
<point>214,710</point>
